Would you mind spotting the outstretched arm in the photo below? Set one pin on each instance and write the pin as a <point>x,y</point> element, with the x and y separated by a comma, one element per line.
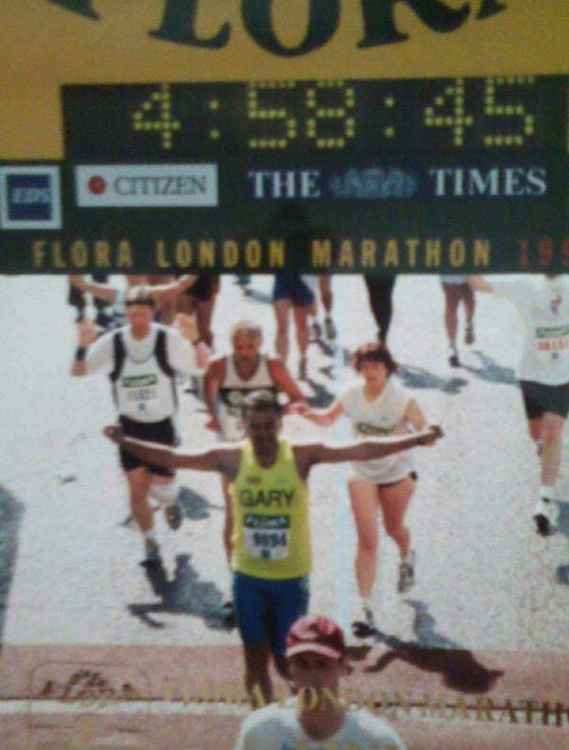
<point>372,448</point>
<point>100,291</point>
<point>324,417</point>
<point>480,284</point>
<point>284,380</point>
<point>223,460</point>
<point>168,292</point>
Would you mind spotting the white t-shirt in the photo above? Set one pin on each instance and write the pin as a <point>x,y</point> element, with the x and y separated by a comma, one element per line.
<point>143,392</point>
<point>277,727</point>
<point>234,390</point>
<point>381,417</point>
<point>544,306</point>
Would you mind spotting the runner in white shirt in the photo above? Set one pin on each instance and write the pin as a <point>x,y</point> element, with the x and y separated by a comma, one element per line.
<point>378,406</point>
<point>316,719</point>
<point>543,302</point>
<point>142,359</point>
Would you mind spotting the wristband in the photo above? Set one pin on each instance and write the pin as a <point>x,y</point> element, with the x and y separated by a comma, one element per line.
<point>80,353</point>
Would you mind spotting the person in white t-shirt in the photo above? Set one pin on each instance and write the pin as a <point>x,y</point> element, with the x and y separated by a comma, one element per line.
<point>316,719</point>
<point>377,407</point>
<point>543,302</point>
<point>142,360</point>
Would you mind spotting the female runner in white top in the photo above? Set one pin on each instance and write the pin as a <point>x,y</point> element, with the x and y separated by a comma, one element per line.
<point>378,406</point>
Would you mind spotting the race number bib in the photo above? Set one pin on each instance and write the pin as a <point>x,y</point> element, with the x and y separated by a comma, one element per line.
<point>140,390</point>
<point>552,344</point>
<point>267,537</point>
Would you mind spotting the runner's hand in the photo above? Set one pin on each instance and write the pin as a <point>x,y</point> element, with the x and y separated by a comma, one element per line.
<point>434,433</point>
<point>88,332</point>
<point>213,425</point>
<point>114,433</point>
<point>77,281</point>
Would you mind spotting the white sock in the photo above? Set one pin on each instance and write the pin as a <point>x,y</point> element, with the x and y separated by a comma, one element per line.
<point>546,492</point>
<point>150,535</point>
<point>166,494</point>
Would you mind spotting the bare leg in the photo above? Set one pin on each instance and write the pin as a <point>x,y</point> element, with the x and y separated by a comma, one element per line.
<point>257,679</point>
<point>138,484</point>
<point>282,307</point>
<point>365,500</point>
<point>394,504</point>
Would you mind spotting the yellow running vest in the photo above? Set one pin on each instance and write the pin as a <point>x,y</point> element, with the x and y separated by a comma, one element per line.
<point>271,533</point>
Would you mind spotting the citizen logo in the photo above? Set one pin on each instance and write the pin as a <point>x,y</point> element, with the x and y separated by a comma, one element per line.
<point>147,185</point>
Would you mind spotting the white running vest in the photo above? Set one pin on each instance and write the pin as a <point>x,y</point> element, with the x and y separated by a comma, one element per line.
<point>233,393</point>
<point>143,392</point>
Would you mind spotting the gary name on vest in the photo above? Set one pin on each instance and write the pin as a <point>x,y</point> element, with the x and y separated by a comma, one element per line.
<point>142,360</point>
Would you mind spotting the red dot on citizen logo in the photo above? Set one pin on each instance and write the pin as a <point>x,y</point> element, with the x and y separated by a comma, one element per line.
<point>97,185</point>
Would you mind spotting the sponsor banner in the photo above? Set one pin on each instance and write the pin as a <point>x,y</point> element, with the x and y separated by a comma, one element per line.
<point>145,185</point>
<point>30,197</point>
<point>381,182</point>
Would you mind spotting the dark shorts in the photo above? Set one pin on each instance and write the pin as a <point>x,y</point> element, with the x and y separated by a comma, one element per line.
<point>205,287</point>
<point>265,610</point>
<point>292,288</point>
<point>539,398</point>
<point>163,432</point>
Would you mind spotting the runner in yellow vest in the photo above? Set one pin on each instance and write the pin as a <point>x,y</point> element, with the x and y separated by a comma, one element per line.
<point>271,557</point>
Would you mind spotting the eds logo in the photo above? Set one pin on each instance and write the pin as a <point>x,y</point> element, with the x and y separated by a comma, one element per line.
<point>30,198</point>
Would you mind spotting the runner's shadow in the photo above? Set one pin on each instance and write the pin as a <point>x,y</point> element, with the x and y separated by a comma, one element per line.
<point>254,295</point>
<point>434,652</point>
<point>321,397</point>
<point>419,378</point>
<point>562,572</point>
<point>196,507</point>
<point>490,371</point>
<point>183,594</point>
<point>11,514</point>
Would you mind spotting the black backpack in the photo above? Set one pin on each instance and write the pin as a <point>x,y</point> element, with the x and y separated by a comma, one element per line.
<point>119,355</point>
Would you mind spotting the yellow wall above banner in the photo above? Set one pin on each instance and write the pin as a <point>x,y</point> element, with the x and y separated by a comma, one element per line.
<point>48,43</point>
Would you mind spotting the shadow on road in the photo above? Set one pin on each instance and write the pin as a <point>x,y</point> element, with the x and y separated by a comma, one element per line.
<point>434,652</point>
<point>562,572</point>
<point>419,378</point>
<point>254,295</point>
<point>490,371</point>
<point>182,594</point>
<point>321,396</point>
<point>194,506</point>
<point>11,514</point>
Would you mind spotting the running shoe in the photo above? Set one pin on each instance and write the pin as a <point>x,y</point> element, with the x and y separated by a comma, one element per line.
<point>363,624</point>
<point>469,337</point>
<point>315,331</point>
<point>453,359</point>
<point>152,553</point>
<point>173,515</point>
<point>330,328</point>
<point>228,613</point>
<point>542,516</point>
<point>406,573</point>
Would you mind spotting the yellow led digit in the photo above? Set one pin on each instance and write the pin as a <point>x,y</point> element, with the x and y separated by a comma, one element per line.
<point>519,127</point>
<point>159,105</point>
<point>448,111</point>
<point>283,127</point>
<point>320,116</point>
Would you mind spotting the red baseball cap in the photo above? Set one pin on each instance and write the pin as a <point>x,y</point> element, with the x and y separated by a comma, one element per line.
<point>318,635</point>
